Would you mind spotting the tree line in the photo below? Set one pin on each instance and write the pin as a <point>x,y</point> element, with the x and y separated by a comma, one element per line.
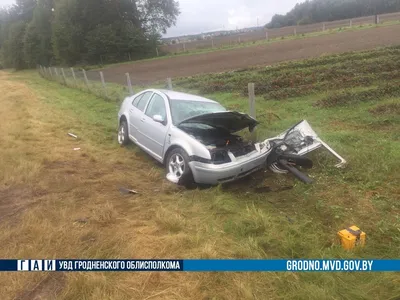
<point>315,11</point>
<point>71,32</point>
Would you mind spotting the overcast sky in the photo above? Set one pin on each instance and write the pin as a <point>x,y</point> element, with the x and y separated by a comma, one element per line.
<point>206,15</point>
<point>199,16</point>
<point>6,2</point>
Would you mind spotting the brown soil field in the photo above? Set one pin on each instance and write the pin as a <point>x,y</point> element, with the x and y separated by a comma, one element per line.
<point>144,72</point>
<point>260,34</point>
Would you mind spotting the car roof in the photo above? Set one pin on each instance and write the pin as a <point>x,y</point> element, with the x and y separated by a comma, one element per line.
<point>183,96</point>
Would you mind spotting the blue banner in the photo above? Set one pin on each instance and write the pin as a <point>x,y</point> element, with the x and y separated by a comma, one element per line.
<point>203,265</point>
<point>285,265</point>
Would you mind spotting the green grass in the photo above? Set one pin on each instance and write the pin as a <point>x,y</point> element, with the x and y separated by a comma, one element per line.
<point>249,44</point>
<point>293,220</point>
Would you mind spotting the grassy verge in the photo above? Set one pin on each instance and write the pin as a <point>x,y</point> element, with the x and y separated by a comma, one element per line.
<point>82,214</point>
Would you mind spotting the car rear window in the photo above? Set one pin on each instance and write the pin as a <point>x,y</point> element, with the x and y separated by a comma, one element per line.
<point>136,100</point>
<point>141,104</point>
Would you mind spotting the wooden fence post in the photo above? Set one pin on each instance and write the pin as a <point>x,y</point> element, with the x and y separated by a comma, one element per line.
<point>103,83</point>
<point>252,100</point>
<point>73,75</point>
<point>63,74</point>
<point>295,31</point>
<point>86,80</point>
<point>252,107</point>
<point>169,83</point>
<point>56,73</point>
<point>323,27</point>
<point>351,23</point>
<point>266,35</point>
<point>184,47</point>
<point>212,43</point>
<point>377,19</point>
<point>51,73</point>
<point>129,82</point>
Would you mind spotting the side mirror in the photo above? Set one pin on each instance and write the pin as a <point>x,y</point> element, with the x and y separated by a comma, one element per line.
<point>158,119</point>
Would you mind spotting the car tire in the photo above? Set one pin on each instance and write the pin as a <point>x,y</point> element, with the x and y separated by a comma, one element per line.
<point>123,135</point>
<point>177,163</point>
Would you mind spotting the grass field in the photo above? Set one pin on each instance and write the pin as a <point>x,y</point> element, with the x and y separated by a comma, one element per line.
<point>56,202</point>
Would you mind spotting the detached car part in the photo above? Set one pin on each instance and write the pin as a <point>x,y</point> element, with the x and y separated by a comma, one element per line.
<point>289,147</point>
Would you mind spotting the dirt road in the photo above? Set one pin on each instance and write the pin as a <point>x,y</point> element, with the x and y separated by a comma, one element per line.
<point>149,71</point>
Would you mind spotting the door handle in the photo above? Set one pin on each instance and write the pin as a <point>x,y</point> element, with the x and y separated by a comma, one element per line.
<point>143,119</point>
<point>131,111</point>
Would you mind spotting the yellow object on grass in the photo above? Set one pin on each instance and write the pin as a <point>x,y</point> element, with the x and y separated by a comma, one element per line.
<point>352,237</point>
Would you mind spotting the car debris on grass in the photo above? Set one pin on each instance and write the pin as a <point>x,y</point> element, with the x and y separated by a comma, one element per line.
<point>289,148</point>
<point>72,135</point>
<point>127,191</point>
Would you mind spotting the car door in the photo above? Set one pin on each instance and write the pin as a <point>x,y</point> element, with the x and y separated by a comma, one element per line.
<point>136,112</point>
<point>152,133</point>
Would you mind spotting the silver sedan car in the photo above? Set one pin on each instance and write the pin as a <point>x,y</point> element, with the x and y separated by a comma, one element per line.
<point>197,141</point>
<point>192,136</point>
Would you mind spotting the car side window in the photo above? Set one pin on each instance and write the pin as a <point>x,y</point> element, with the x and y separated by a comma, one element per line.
<point>157,107</point>
<point>142,102</point>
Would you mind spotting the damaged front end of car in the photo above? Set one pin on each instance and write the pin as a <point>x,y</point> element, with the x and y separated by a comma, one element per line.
<point>231,157</point>
<point>289,148</point>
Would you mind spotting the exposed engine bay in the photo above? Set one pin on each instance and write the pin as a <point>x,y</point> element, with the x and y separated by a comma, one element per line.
<point>221,143</point>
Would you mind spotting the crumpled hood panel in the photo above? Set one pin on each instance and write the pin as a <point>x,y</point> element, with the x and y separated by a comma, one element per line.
<point>231,121</point>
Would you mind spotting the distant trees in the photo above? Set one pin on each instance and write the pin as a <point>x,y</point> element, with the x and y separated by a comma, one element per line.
<point>14,45</point>
<point>314,11</point>
<point>37,39</point>
<point>82,31</point>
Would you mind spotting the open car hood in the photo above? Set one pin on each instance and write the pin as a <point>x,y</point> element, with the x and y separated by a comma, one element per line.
<point>231,121</point>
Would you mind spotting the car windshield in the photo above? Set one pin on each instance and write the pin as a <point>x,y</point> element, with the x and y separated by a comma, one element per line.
<point>185,109</point>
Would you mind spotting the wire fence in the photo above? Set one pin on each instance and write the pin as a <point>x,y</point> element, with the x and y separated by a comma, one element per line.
<point>94,82</point>
<point>110,91</point>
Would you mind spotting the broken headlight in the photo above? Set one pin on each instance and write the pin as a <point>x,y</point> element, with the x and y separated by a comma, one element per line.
<point>220,157</point>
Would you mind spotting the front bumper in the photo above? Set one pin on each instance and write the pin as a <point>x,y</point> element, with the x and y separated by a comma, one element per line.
<point>214,174</point>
